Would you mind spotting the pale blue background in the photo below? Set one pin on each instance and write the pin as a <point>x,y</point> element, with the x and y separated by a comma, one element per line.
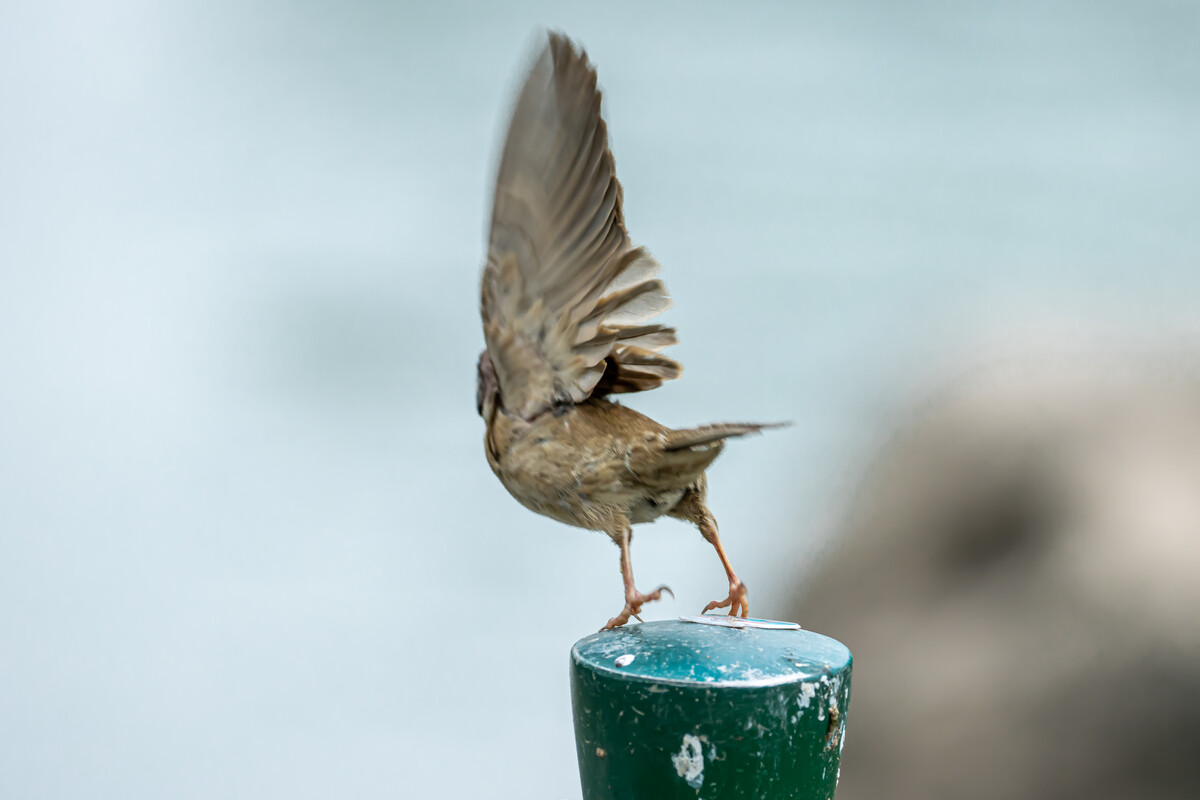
<point>249,544</point>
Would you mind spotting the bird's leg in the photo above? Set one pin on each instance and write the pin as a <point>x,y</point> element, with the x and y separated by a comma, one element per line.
<point>736,601</point>
<point>633,598</point>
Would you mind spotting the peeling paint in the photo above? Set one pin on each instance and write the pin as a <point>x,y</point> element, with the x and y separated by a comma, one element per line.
<point>807,692</point>
<point>833,735</point>
<point>689,762</point>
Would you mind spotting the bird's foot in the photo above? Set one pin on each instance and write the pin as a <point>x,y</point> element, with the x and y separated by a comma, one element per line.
<point>633,606</point>
<point>736,601</point>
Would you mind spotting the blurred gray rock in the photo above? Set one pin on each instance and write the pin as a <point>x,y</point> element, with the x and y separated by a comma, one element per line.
<point>1019,581</point>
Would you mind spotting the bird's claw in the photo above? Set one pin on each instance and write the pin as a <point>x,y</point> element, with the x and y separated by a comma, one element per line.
<point>736,601</point>
<point>633,606</point>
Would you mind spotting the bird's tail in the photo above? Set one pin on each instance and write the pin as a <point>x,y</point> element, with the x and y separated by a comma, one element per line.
<point>707,434</point>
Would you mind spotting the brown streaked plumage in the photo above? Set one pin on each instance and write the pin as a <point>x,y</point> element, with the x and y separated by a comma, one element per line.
<point>566,304</point>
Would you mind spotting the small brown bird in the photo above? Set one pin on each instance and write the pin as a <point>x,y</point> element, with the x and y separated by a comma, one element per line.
<point>565,303</point>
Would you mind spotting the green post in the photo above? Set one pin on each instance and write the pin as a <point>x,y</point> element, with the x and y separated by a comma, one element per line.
<point>680,709</point>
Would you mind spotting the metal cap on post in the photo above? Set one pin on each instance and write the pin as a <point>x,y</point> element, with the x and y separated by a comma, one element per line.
<point>679,709</point>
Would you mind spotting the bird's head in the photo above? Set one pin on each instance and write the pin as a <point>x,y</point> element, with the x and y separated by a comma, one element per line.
<point>487,387</point>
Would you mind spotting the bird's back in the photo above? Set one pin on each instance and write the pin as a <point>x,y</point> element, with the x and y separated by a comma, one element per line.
<point>600,457</point>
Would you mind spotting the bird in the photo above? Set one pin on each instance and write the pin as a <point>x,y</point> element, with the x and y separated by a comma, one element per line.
<point>566,301</point>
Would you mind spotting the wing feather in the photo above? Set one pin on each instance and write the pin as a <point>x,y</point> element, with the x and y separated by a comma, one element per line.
<point>565,295</point>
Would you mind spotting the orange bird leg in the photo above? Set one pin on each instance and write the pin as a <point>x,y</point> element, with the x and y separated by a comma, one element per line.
<point>736,601</point>
<point>633,598</point>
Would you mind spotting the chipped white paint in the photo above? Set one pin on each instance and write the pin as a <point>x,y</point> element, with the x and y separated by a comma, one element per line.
<point>821,708</point>
<point>807,692</point>
<point>625,660</point>
<point>689,762</point>
<point>841,741</point>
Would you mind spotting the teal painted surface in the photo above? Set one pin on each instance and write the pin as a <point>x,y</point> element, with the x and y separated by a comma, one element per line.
<point>680,710</point>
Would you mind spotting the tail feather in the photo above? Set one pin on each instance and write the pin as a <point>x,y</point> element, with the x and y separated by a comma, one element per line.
<point>707,434</point>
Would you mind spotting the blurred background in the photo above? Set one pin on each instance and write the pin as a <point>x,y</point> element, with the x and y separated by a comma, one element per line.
<point>249,543</point>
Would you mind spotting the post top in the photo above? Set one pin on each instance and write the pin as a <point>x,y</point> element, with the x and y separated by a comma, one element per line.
<point>687,653</point>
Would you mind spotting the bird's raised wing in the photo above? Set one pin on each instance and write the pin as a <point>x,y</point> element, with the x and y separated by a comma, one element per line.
<point>565,295</point>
